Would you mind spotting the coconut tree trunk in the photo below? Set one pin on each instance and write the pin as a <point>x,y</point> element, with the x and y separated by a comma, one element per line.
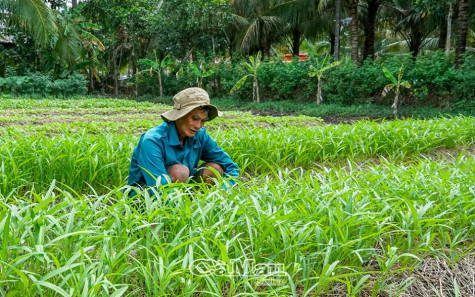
<point>296,41</point>
<point>462,31</point>
<point>319,91</point>
<point>369,28</point>
<point>74,3</point>
<point>449,29</point>
<point>265,46</point>
<point>332,43</point>
<point>337,29</point>
<point>415,42</point>
<point>442,36</point>
<point>353,6</point>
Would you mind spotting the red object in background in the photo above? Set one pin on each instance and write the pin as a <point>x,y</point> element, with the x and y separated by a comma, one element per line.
<point>288,57</point>
<point>303,57</point>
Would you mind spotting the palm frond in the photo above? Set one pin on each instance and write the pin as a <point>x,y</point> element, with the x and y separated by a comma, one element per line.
<point>250,36</point>
<point>36,18</point>
<point>270,23</point>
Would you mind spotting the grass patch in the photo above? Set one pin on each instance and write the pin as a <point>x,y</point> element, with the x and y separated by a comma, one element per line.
<point>369,209</point>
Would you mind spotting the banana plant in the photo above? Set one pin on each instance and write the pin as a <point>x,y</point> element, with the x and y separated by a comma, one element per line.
<point>252,66</point>
<point>396,85</point>
<point>157,65</point>
<point>199,72</point>
<point>317,69</point>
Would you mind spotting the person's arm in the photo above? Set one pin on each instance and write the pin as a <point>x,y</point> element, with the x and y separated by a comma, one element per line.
<point>213,153</point>
<point>150,160</point>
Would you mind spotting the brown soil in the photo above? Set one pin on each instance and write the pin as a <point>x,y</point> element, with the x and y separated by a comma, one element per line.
<point>434,277</point>
<point>347,120</point>
<point>119,116</point>
<point>82,113</point>
<point>273,113</point>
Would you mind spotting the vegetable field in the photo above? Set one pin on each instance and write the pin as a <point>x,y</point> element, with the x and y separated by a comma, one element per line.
<point>368,209</point>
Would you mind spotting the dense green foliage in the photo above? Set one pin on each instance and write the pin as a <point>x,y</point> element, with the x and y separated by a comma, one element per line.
<point>108,42</point>
<point>434,82</point>
<point>347,209</point>
<point>42,85</point>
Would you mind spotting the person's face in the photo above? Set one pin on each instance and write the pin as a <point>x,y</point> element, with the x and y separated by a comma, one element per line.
<point>188,125</point>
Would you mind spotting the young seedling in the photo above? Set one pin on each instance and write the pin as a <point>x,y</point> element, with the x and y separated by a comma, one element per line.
<point>255,63</point>
<point>395,84</point>
<point>317,69</point>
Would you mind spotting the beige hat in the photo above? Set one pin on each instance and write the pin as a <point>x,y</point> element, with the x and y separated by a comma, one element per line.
<point>187,100</point>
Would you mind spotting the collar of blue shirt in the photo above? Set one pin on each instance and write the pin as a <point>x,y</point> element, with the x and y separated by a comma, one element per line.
<point>173,139</point>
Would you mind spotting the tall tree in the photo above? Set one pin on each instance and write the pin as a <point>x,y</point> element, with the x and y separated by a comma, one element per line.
<point>295,16</point>
<point>369,25</point>
<point>412,23</point>
<point>336,46</point>
<point>33,17</point>
<point>462,30</point>
<point>257,28</point>
<point>352,6</point>
<point>448,36</point>
<point>442,14</point>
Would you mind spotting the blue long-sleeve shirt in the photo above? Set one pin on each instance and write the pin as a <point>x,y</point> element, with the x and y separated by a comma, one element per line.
<point>159,148</point>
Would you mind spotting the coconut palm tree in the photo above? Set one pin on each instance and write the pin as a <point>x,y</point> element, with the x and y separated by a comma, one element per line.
<point>257,28</point>
<point>462,31</point>
<point>370,8</point>
<point>295,15</point>
<point>352,6</point>
<point>33,17</point>
<point>336,43</point>
<point>413,23</point>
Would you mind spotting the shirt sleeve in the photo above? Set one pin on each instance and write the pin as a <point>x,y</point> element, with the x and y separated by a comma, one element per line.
<point>151,162</point>
<point>213,153</point>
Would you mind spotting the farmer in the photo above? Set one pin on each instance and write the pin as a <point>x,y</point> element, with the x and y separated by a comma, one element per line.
<point>172,150</point>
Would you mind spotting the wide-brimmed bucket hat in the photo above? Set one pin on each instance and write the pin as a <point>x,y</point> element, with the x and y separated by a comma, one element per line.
<point>187,100</point>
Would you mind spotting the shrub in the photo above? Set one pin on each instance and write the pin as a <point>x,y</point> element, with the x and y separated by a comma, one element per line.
<point>37,83</point>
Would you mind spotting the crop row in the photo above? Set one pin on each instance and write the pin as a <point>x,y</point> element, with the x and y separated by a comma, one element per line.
<point>80,102</point>
<point>101,160</point>
<point>98,120</point>
<point>356,227</point>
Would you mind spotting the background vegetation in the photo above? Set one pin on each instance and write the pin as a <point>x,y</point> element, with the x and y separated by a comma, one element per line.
<point>369,209</point>
<point>157,47</point>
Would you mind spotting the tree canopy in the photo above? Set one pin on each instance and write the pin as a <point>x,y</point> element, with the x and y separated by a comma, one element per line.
<point>105,39</point>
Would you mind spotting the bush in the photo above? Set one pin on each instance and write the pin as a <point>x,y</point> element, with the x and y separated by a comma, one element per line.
<point>282,81</point>
<point>75,84</point>
<point>37,83</point>
<point>463,85</point>
<point>434,82</point>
